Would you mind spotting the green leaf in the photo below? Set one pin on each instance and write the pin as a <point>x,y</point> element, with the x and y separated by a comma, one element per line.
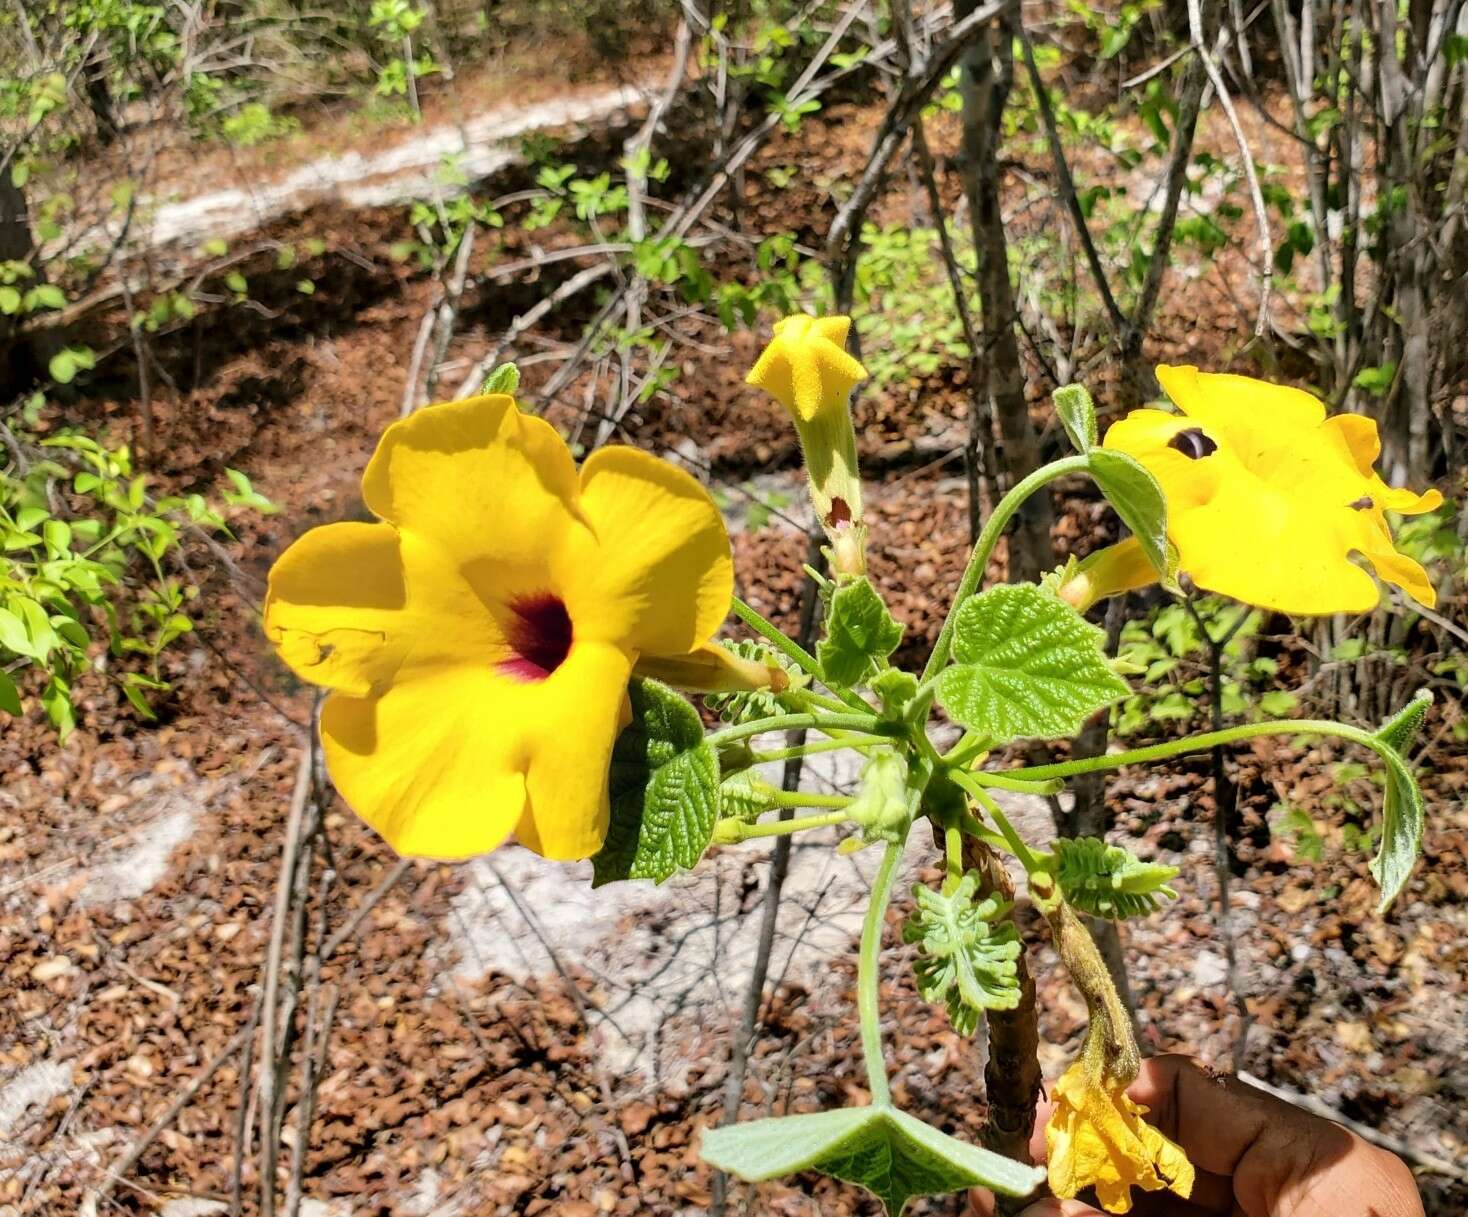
<point>860,634</point>
<point>1139,502</point>
<point>664,783</point>
<point>9,695</point>
<point>1107,880</point>
<point>1077,415</point>
<point>1028,666</point>
<point>1400,731</point>
<point>504,378</point>
<point>1402,813</point>
<point>968,952</point>
<point>68,361</point>
<point>886,1151</point>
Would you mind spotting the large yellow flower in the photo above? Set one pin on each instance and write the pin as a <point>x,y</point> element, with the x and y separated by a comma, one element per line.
<point>478,640</point>
<point>1267,498</point>
<point>1097,1138</point>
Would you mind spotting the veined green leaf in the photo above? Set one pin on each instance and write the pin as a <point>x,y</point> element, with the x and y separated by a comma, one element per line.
<point>890,1153</point>
<point>1139,502</point>
<point>664,783</point>
<point>1108,880</point>
<point>860,634</point>
<point>1027,666</point>
<point>1077,413</point>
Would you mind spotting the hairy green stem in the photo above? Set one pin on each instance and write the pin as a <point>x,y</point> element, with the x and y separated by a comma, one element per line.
<point>865,723</point>
<point>979,560</point>
<point>856,743</point>
<point>867,978</point>
<point>728,832</point>
<point>805,798</point>
<point>1201,743</point>
<point>791,649</point>
<point>1012,839</point>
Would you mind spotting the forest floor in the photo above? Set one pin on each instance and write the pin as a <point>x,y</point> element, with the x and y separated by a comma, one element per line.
<point>504,1041</point>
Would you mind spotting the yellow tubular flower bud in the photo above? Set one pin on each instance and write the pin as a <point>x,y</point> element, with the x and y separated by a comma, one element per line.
<point>1118,568</point>
<point>808,370</point>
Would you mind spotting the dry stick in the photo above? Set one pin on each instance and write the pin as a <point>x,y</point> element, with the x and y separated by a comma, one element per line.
<point>313,1057</point>
<point>1012,1078</point>
<point>749,1018</point>
<point>243,1121</point>
<point>448,311</point>
<point>290,851</point>
<point>415,361</point>
<point>1403,1149</point>
<point>1256,196</point>
<point>1225,801</point>
<point>195,1084</point>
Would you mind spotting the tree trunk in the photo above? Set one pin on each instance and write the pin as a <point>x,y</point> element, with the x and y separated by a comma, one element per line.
<point>16,245</point>
<point>987,73</point>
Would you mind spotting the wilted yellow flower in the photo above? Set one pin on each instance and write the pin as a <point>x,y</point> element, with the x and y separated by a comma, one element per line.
<point>478,640</point>
<point>1097,1138</point>
<point>1267,498</point>
<point>807,369</point>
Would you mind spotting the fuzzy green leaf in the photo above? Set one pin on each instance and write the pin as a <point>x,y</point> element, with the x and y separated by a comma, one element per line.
<point>664,783</point>
<point>1139,502</point>
<point>1028,666</point>
<point>860,634</point>
<point>968,952</point>
<point>1077,415</point>
<point>1402,819</point>
<point>886,1151</point>
<point>1109,881</point>
<point>1399,732</point>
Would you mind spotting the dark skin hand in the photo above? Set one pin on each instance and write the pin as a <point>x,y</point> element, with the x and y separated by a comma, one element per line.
<point>1255,1156</point>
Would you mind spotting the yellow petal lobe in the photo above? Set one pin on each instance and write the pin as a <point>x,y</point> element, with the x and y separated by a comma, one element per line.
<point>806,366</point>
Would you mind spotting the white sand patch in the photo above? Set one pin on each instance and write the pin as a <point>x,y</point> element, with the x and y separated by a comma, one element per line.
<point>408,170</point>
<point>144,862</point>
<point>427,1200</point>
<point>192,1206</point>
<point>34,1086</point>
<point>679,957</point>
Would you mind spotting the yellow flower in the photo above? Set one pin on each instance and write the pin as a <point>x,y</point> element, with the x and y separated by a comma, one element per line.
<point>1267,497</point>
<point>807,369</point>
<point>1097,1138</point>
<point>478,640</point>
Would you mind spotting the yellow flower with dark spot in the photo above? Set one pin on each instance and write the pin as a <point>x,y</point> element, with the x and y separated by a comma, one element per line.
<point>806,367</point>
<point>1267,498</point>
<point>1097,1138</point>
<point>478,639</point>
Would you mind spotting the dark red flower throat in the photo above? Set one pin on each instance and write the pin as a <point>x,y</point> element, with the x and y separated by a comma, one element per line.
<point>540,634</point>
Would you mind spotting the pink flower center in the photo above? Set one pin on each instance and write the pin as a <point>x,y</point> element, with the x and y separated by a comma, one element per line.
<point>540,635</point>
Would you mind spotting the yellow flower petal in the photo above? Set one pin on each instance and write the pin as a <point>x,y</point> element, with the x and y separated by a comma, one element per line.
<point>570,723</point>
<point>655,571</point>
<point>713,669</point>
<point>806,367</point>
<point>349,604</point>
<point>1118,568</point>
<point>1097,1138</point>
<point>478,478</point>
<point>1268,500</point>
<point>429,764</point>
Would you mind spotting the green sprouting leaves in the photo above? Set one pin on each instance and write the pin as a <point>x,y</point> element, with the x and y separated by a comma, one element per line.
<point>1108,880</point>
<point>664,783</point>
<point>886,1151</point>
<point>968,952</point>
<point>1026,666</point>
<point>1077,415</point>
<point>757,703</point>
<point>1123,480</point>
<point>1402,813</point>
<point>503,378</point>
<point>1139,502</point>
<point>860,634</point>
<point>882,806</point>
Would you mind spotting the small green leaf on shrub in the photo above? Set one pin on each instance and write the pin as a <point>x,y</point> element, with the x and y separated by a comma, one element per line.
<point>68,361</point>
<point>860,634</point>
<point>1027,666</point>
<point>505,378</point>
<point>664,783</point>
<point>1109,881</point>
<point>886,1151</point>
<point>1402,812</point>
<point>9,695</point>
<point>1138,501</point>
<point>968,952</point>
<point>1077,415</point>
